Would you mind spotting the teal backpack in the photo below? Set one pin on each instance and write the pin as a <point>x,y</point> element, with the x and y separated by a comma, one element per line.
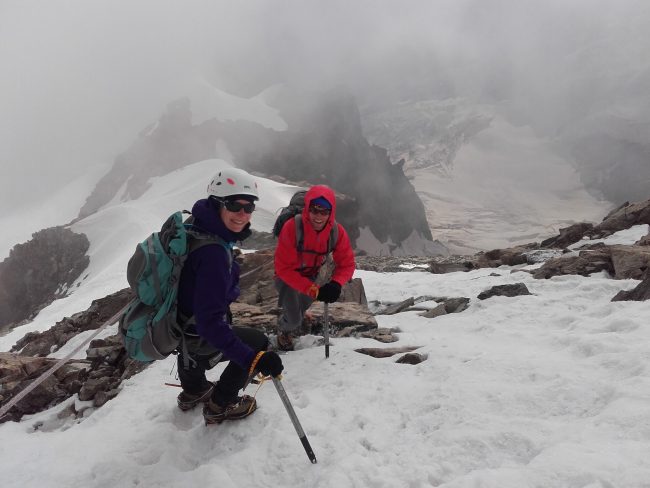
<point>149,327</point>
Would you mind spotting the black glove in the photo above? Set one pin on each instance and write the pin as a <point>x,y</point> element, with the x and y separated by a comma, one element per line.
<point>329,292</point>
<point>269,364</point>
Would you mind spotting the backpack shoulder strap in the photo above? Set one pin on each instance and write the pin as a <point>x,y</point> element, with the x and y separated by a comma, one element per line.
<point>334,237</point>
<point>198,240</point>
<point>331,242</point>
<point>299,232</point>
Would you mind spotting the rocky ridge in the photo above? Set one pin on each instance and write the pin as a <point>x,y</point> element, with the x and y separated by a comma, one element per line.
<point>97,378</point>
<point>324,144</point>
<point>39,271</point>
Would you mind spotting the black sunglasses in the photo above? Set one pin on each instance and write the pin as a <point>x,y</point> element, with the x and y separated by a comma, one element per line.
<point>233,206</point>
<point>318,210</point>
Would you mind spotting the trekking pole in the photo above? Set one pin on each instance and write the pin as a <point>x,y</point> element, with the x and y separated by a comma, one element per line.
<point>326,329</point>
<point>294,419</point>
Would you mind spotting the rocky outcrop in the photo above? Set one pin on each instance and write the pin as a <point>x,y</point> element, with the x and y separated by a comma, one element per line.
<point>630,262</point>
<point>392,264</point>
<point>16,372</point>
<point>622,262</point>
<point>324,144</point>
<point>585,263</point>
<point>509,257</point>
<point>568,235</point>
<point>510,290</point>
<point>46,342</point>
<point>640,293</point>
<point>385,352</point>
<point>624,217</point>
<point>426,134</point>
<point>40,271</point>
<point>399,307</point>
<point>97,379</point>
<point>412,358</point>
<point>170,143</point>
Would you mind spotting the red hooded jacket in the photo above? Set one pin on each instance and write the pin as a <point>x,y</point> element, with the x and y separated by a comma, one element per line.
<point>288,260</point>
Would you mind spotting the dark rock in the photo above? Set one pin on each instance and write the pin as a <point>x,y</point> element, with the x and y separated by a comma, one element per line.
<point>354,292</point>
<point>640,293</point>
<point>512,290</point>
<point>91,387</point>
<point>386,352</point>
<point>40,271</point>
<point>101,397</point>
<point>456,305</point>
<point>393,264</point>
<point>381,334</point>
<point>568,235</point>
<point>586,263</point>
<point>450,267</point>
<point>42,343</point>
<point>499,257</point>
<point>399,307</point>
<point>435,312</point>
<point>630,261</point>
<point>323,144</point>
<point>412,358</point>
<point>624,217</point>
<point>18,372</point>
<point>644,241</point>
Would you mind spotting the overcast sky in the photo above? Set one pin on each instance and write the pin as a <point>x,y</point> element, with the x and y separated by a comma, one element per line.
<point>81,78</point>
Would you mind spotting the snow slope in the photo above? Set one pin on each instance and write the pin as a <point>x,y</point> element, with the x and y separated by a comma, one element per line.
<point>547,390</point>
<point>21,221</point>
<point>508,186</point>
<point>116,229</point>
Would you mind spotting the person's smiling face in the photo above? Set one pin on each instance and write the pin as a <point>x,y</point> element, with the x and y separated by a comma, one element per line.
<point>236,214</point>
<point>318,217</point>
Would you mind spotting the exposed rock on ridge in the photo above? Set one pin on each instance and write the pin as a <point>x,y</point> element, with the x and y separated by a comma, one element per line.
<point>324,144</point>
<point>40,271</point>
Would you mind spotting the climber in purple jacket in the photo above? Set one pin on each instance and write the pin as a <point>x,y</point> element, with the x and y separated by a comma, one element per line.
<point>209,283</point>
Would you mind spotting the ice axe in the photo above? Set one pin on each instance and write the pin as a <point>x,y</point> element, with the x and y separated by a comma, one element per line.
<point>294,419</point>
<point>326,328</point>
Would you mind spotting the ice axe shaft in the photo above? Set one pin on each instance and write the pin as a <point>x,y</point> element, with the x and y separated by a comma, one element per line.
<point>326,329</point>
<point>294,419</point>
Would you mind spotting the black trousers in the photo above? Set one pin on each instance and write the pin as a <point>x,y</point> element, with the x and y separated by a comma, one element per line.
<point>293,304</point>
<point>232,379</point>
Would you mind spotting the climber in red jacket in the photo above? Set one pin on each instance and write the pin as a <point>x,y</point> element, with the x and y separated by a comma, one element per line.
<point>298,262</point>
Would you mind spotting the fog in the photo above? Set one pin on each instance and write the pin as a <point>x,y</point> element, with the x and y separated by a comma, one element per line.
<point>81,79</point>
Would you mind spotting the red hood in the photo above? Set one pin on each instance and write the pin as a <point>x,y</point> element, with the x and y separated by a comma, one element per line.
<point>316,192</point>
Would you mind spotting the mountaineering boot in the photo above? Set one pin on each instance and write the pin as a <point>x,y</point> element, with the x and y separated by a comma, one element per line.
<point>285,341</point>
<point>187,401</point>
<point>239,408</point>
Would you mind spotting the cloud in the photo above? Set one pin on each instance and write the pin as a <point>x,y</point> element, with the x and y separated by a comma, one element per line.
<point>80,79</point>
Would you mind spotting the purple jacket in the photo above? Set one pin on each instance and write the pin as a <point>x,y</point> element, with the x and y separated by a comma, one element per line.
<point>207,286</point>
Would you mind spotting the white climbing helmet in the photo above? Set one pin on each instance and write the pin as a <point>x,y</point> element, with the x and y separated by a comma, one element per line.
<point>232,181</point>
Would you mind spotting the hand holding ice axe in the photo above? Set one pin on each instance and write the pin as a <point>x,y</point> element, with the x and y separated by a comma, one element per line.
<point>269,363</point>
